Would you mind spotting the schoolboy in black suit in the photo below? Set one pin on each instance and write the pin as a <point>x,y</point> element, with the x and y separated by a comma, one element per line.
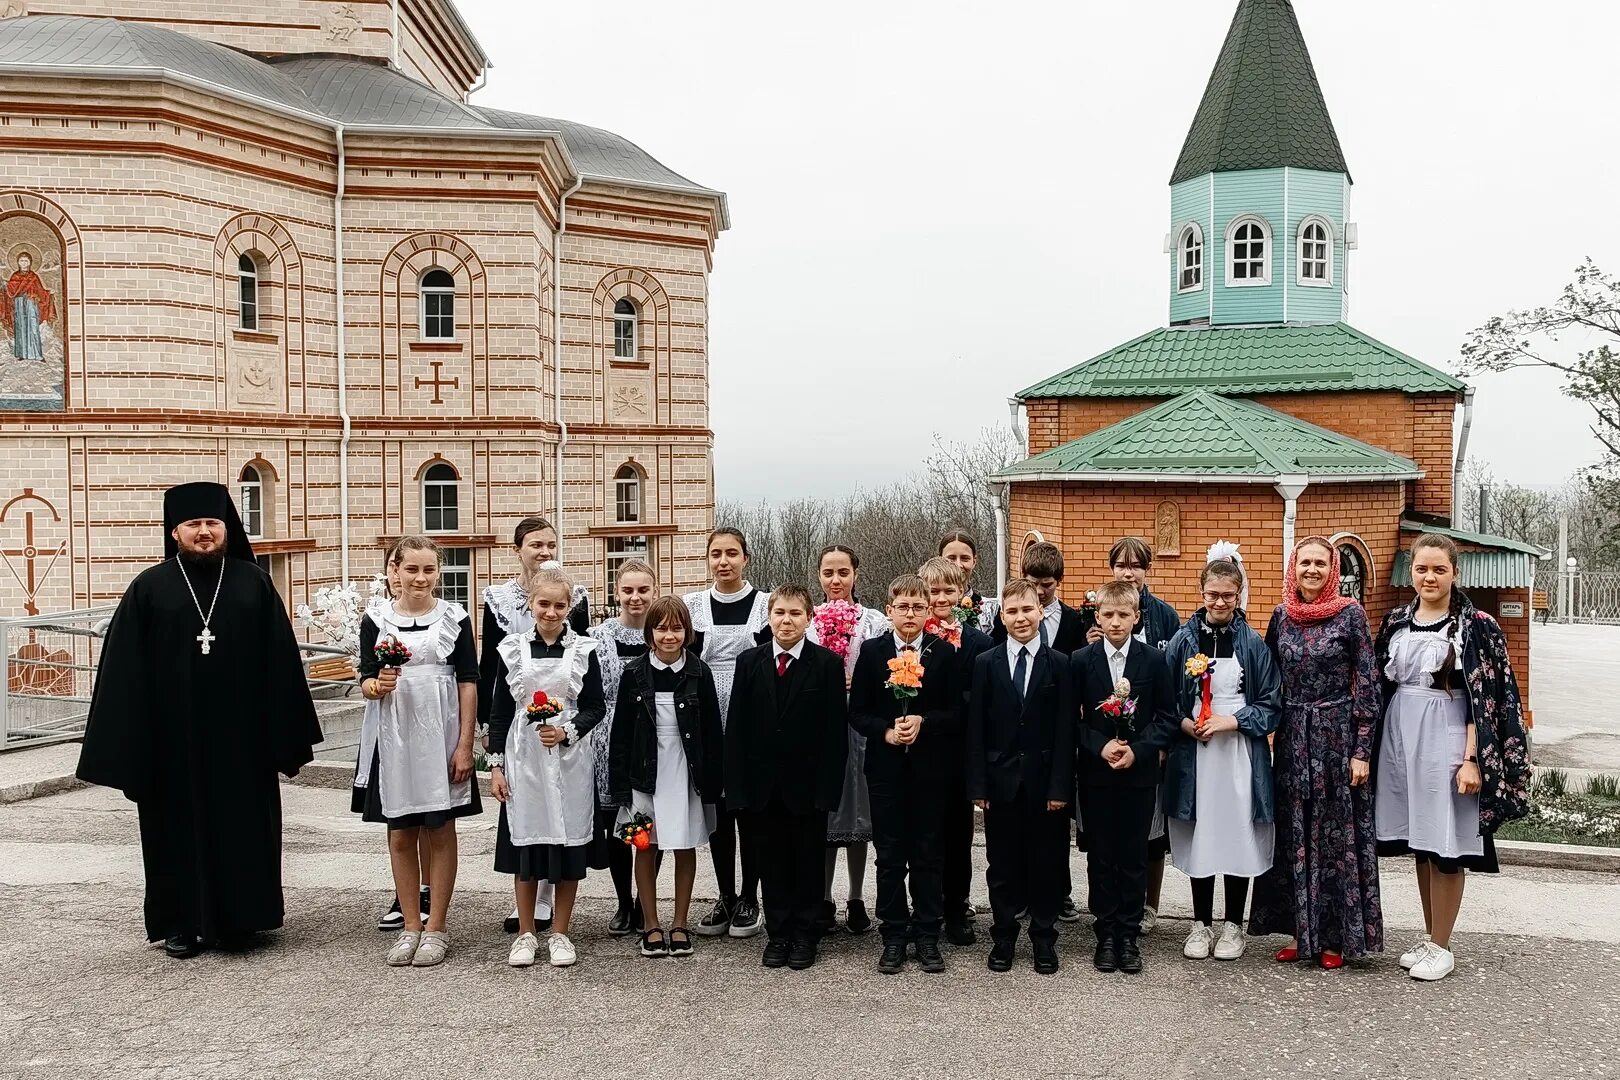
<point>1020,771</point>
<point>909,748</point>
<point>945,582</point>
<point>1119,768</point>
<point>786,739</point>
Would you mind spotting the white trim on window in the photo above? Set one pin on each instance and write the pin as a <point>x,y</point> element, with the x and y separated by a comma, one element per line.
<point>625,330</point>
<point>627,505</point>
<point>250,491</point>
<point>1246,234</point>
<point>1313,252</point>
<point>1190,258</point>
<point>247,292</point>
<point>455,576</point>
<point>437,296</point>
<point>441,498</point>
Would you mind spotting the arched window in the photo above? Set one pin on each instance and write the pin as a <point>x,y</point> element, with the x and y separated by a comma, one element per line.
<point>1315,252</point>
<point>247,293</point>
<point>1191,259</point>
<point>1248,252</point>
<point>624,330</point>
<point>251,495</point>
<point>438,306</point>
<point>1352,573</point>
<point>441,499</point>
<point>627,495</point>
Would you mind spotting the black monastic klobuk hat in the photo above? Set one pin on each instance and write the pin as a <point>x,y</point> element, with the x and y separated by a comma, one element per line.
<point>187,502</point>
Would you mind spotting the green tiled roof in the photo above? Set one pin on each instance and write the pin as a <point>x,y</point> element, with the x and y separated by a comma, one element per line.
<point>1203,434</point>
<point>1478,570</point>
<point>1482,539</point>
<point>1246,360</point>
<point>1263,108</point>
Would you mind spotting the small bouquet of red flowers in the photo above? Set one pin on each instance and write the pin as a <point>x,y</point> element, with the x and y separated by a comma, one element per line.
<point>1088,602</point>
<point>952,635</point>
<point>637,832</point>
<point>1122,708</point>
<point>543,708</point>
<point>391,652</point>
<point>1198,667</point>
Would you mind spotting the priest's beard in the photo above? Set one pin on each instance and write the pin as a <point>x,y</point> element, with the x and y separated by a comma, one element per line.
<point>204,560</point>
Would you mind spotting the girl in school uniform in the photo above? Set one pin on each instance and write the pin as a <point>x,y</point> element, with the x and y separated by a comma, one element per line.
<point>850,826</point>
<point>1217,788</point>
<point>961,549</point>
<point>728,618</point>
<point>668,762</point>
<point>414,768</point>
<point>620,640</point>
<point>1453,762</point>
<point>506,611</point>
<point>543,769</point>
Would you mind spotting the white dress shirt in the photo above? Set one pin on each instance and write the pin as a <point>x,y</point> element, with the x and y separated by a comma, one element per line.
<point>1116,658</point>
<point>1032,646</point>
<point>1051,616</point>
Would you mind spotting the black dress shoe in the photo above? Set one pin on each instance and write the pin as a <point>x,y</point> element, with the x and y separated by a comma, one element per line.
<point>856,920</point>
<point>801,954</point>
<point>1130,957</point>
<point>776,955</point>
<point>960,932</point>
<point>622,922</point>
<point>1046,960</point>
<point>1001,956</point>
<point>929,958</point>
<point>1067,912</point>
<point>181,946</point>
<point>1107,956</point>
<point>893,958</point>
<point>827,917</point>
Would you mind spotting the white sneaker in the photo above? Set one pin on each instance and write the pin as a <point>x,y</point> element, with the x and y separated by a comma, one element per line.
<point>523,950</point>
<point>1232,942</point>
<point>1436,964</point>
<point>561,950</point>
<point>1198,942</point>
<point>1150,919</point>
<point>404,948</point>
<point>434,948</point>
<point>1417,952</point>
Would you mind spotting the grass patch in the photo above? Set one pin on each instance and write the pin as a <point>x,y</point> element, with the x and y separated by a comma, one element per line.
<point>1604,786</point>
<point>1588,819</point>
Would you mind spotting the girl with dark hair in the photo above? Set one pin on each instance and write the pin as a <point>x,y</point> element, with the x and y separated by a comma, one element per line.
<point>1453,762</point>
<point>960,548</point>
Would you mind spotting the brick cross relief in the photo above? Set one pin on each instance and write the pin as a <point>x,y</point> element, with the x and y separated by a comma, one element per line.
<point>438,382</point>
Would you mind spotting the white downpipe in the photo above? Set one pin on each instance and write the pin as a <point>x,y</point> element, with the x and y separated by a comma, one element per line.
<point>393,38</point>
<point>1462,448</point>
<point>342,368</point>
<point>556,346</point>
<point>1290,488</point>
<point>1002,492</point>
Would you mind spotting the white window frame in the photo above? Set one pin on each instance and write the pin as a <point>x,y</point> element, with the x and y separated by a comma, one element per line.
<point>1232,280</point>
<point>251,493</point>
<point>441,486</point>
<point>627,505</point>
<point>619,550</point>
<point>247,281</point>
<point>1194,232</point>
<point>455,575</point>
<point>631,320</point>
<point>1326,279</point>
<point>424,293</point>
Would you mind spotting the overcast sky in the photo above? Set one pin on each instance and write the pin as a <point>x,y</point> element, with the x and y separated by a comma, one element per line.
<point>937,204</point>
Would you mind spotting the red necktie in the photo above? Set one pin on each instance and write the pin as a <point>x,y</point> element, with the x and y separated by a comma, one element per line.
<point>782,659</point>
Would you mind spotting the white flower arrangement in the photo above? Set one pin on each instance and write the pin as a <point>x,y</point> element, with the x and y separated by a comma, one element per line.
<point>337,612</point>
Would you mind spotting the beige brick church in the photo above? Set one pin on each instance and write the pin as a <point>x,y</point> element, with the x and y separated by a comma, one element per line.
<point>271,243</point>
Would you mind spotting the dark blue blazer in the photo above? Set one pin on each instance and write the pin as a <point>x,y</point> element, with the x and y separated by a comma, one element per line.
<point>873,709</point>
<point>1152,729</point>
<point>1015,741</point>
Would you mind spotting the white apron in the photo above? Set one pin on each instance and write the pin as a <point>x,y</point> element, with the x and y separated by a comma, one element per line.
<point>681,820</point>
<point>723,644</point>
<point>553,799</point>
<point>1224,838</point>
<point>414,730</point>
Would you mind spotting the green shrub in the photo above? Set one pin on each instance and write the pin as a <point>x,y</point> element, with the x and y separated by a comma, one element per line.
<point>1607,787</point>
<point>1551,782</point>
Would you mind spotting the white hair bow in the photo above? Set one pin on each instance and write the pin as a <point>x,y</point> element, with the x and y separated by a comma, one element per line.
<point>1225,549</point>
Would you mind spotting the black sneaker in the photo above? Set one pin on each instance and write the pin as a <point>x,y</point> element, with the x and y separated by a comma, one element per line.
<point>929,957</point>
<point>393,919</point>
<point>746,923</point>
<point>622,924</point>
<point>775,955</point>
<point>716,922</point>
<point>893,958</point>
<point>856,920</point>
<point>1068,912</point>
<point>959,932</point>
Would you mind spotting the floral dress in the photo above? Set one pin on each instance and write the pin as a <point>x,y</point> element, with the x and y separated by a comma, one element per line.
<point>1323,885</point>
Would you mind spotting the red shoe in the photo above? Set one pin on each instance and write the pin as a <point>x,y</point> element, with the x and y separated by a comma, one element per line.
<point>1289,953</point>
<point>1332,961</point>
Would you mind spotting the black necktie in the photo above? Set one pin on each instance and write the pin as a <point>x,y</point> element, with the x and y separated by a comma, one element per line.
<point>1021,670</point>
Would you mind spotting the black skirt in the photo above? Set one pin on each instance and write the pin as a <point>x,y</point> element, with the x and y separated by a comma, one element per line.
<point>1483,863</point>
<point>546,862</point>
<point>367,802</point>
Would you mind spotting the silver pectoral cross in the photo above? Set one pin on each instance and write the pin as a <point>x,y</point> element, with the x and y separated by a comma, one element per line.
<point>207,638</point>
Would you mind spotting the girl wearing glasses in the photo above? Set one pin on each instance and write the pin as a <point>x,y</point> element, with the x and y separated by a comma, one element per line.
<point>1217,784</point>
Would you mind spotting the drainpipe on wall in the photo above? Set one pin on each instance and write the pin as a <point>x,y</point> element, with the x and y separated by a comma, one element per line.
<point>1002,492</point>
<point>1290,487</point>
<point>342,368</point>
<point>556,346</point>
<point>393,35</point>
<point>1462,451</point>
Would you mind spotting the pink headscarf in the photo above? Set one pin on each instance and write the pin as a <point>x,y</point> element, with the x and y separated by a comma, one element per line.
<point>1328,602</point>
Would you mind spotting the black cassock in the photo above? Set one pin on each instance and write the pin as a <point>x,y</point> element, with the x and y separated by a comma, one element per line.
<point>196,742</point>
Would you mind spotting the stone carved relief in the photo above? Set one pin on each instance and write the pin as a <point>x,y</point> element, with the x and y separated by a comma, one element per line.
<point>1167,528</point>
<point>257,380</point>
<point>341,24</point>
<point>629,401</point>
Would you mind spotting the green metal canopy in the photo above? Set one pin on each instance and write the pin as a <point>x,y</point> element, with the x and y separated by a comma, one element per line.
<point>1510,564</point>
<point>1263,108</point>
<point>1202,435</point>
<point>1246,360</point>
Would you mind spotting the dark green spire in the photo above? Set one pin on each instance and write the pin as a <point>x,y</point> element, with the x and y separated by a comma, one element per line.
<point>1263,108</point>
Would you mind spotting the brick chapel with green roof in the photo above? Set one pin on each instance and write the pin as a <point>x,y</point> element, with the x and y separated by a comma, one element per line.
<point>1258,414</point>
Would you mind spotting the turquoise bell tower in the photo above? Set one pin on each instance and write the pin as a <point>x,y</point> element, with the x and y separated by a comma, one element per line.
<point>1260,194</point>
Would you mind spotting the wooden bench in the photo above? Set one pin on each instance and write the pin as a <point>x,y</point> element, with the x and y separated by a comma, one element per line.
<point>332,669</point>
<point>1540,604</point>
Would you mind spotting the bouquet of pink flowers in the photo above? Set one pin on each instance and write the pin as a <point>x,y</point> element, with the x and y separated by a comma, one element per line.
<point>835,623</point>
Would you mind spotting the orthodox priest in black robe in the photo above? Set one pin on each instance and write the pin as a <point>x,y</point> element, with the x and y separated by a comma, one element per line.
<point>200,700</point>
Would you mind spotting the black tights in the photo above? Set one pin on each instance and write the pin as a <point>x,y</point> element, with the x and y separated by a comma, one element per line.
<point>1203,898</point>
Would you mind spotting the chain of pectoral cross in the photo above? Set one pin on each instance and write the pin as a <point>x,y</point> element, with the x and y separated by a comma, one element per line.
<point>207,637</point>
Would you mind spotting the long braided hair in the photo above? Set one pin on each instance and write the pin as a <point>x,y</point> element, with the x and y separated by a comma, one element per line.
<point>1457,602</point>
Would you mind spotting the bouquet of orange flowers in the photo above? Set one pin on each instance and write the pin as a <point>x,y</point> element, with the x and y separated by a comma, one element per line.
<point>1198,667</point>
<point>905,676</point>
<point>637,832</point>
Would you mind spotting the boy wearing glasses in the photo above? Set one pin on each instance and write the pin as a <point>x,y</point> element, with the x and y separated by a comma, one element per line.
<point>910,743</point>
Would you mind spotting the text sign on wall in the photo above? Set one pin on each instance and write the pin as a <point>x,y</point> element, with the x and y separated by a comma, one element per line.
<point>1512,609</point>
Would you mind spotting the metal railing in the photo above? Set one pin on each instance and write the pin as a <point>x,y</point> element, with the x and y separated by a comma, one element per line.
<point>1579,596</point>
